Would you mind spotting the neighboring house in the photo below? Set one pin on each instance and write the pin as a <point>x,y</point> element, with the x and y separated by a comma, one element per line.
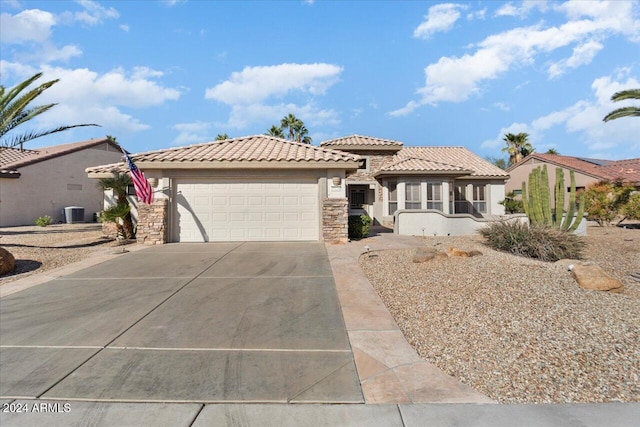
<point>44,181</point>
<point>587,171</point>
<point>265,188</point>
<point>456,190</point>
<point>254,188</point>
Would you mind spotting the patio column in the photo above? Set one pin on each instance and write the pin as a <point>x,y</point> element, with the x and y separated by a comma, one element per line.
<point>335,220</point>
<point>152,222</point>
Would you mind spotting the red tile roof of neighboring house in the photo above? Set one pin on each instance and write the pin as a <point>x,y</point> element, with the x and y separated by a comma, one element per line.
<point>454,157</point>
<point>12,159</point>
<point>249,149</point>
<point>627,170</point>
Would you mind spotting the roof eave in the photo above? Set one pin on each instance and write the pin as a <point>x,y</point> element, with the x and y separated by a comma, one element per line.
<point>194,165</point>
<point>455,174</point>
<point>356,147</point>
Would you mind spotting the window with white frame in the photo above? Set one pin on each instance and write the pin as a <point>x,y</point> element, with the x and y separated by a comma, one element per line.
<point>412,196</point>
<point>479,198</point>
<point>434,195</point>
<point>392,187</point>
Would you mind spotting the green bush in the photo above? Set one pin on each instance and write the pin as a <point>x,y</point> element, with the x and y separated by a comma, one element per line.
<point>542,242</point>
<point>511,204</point>
<point>43,221</point>
<point>359,226</point>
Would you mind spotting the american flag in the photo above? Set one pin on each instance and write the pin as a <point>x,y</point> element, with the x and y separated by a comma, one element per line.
<point>144,192</point>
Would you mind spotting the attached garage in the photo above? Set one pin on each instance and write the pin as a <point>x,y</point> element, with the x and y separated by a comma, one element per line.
<point>252,188</point>
<point>246,210</point>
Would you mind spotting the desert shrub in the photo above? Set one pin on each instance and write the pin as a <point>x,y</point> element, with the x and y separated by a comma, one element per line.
<point>604,201</point>
<point>533,241</point>
<point>44,220</point>
<point>632,209</point>
<point>511,204</point>
<point>359,226</point>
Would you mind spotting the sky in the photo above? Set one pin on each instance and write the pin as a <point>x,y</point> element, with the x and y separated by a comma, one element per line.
<point>167,73</point>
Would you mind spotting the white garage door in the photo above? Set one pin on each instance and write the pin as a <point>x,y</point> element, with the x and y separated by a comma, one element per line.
<point>213,211</point>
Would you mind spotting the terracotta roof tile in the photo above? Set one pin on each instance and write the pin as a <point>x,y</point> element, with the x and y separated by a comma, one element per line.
<point>14,158</point>
<point>459,157</point>
<point>111,168</point>
<point>256,148</point>
<point>609,170</point>
<point>412,164</point>
<point>361,141</point>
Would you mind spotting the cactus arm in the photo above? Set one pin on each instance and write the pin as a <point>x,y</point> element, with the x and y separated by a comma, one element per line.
<point>572,201</point>
<point>534,196</point>
<point>559,197</point>
<point>580,215</point>
<point>545,198</point>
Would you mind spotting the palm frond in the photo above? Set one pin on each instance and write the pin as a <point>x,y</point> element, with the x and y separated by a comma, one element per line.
<point>622,112</point>
<point>626,94</point>
<point>28,136</point>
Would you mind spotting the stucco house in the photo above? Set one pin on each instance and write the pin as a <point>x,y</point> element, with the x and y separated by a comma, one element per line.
<point>587,171</point>
<point>44,181</point>
<point>422,190</point>
<point>266,188</point>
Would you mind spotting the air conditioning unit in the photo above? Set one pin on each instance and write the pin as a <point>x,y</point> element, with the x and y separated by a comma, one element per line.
<point>73,214</point>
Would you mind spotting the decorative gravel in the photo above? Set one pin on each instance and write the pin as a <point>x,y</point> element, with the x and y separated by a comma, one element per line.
<point>38,249</point>
<point>516,329</point>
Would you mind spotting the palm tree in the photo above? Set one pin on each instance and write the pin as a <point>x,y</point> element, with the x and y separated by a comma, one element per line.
<point>552,151</point>
<point>291,122</point>
<point>517,147</point>
<point>624,111</point>
<point>275,131</point>
<point>119,184</point>
<point>222,137</point>
<point>302,134</point>
<point>15,111</point>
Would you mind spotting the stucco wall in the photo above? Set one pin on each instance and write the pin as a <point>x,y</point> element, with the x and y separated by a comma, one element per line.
<point>429,222</point>
<point>47,187</point>
<point>521,173</point>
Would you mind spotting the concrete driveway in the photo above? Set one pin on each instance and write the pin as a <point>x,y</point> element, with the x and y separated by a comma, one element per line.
<point>223,322</point>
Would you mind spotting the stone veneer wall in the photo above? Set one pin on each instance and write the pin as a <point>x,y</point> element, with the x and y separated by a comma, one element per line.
<point>335,226</point>
<point>152,223</point>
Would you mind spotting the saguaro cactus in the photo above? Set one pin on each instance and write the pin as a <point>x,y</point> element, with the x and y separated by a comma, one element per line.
<point>537,201</point>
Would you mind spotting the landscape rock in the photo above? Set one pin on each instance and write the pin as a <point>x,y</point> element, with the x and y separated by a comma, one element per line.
<point>427,254</point>
<point>459,252</point>
<point>595,278</point>
<point>7,261</point>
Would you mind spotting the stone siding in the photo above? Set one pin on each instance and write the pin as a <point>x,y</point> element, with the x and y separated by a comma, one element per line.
<point>335,226</point>
<point>152,223</point>
<point>109,229</point>
<point>376,159</point>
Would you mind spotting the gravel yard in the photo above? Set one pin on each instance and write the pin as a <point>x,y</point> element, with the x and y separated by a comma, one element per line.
<point>516,329</point>
<point>37,249</point>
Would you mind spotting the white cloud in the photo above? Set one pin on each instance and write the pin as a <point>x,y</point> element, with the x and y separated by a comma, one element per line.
<point>94,13</point>
<point>508,9</point>
<point>440,18</point>
<point>192,133</point>
<point>256,84</point>
<point>251,93</point>
<point>584,117</point>
<point>29,25</point>
<point>85,96</point>
<point>478,14</point>
<point>455,79</point>
<point>125,28</point>
<point>582,54</point>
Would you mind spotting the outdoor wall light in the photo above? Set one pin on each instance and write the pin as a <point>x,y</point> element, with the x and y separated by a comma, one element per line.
<point>153,181</point>
<point>336,181</point>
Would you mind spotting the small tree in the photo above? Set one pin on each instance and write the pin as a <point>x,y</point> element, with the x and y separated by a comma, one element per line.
<point>121,211</point>
<point>604,201</point>
<point>631,209</point>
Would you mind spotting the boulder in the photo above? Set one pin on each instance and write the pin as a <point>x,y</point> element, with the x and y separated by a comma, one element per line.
<point>595,278</point>
<point>7,261</point>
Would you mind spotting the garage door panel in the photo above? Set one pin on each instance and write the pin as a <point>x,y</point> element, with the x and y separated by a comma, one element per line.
<point>239,211</point>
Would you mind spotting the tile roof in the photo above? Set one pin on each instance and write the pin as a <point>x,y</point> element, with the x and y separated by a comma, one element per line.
<point>250,149</point>
<point>120,167</point>
<point>413,164</point>
<point>12,159</point>
<point>627,170</point>
<point>361,141</point>
<point>451,157</point>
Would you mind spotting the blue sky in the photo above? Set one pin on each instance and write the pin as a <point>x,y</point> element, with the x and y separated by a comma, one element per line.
<point>157,74</point>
